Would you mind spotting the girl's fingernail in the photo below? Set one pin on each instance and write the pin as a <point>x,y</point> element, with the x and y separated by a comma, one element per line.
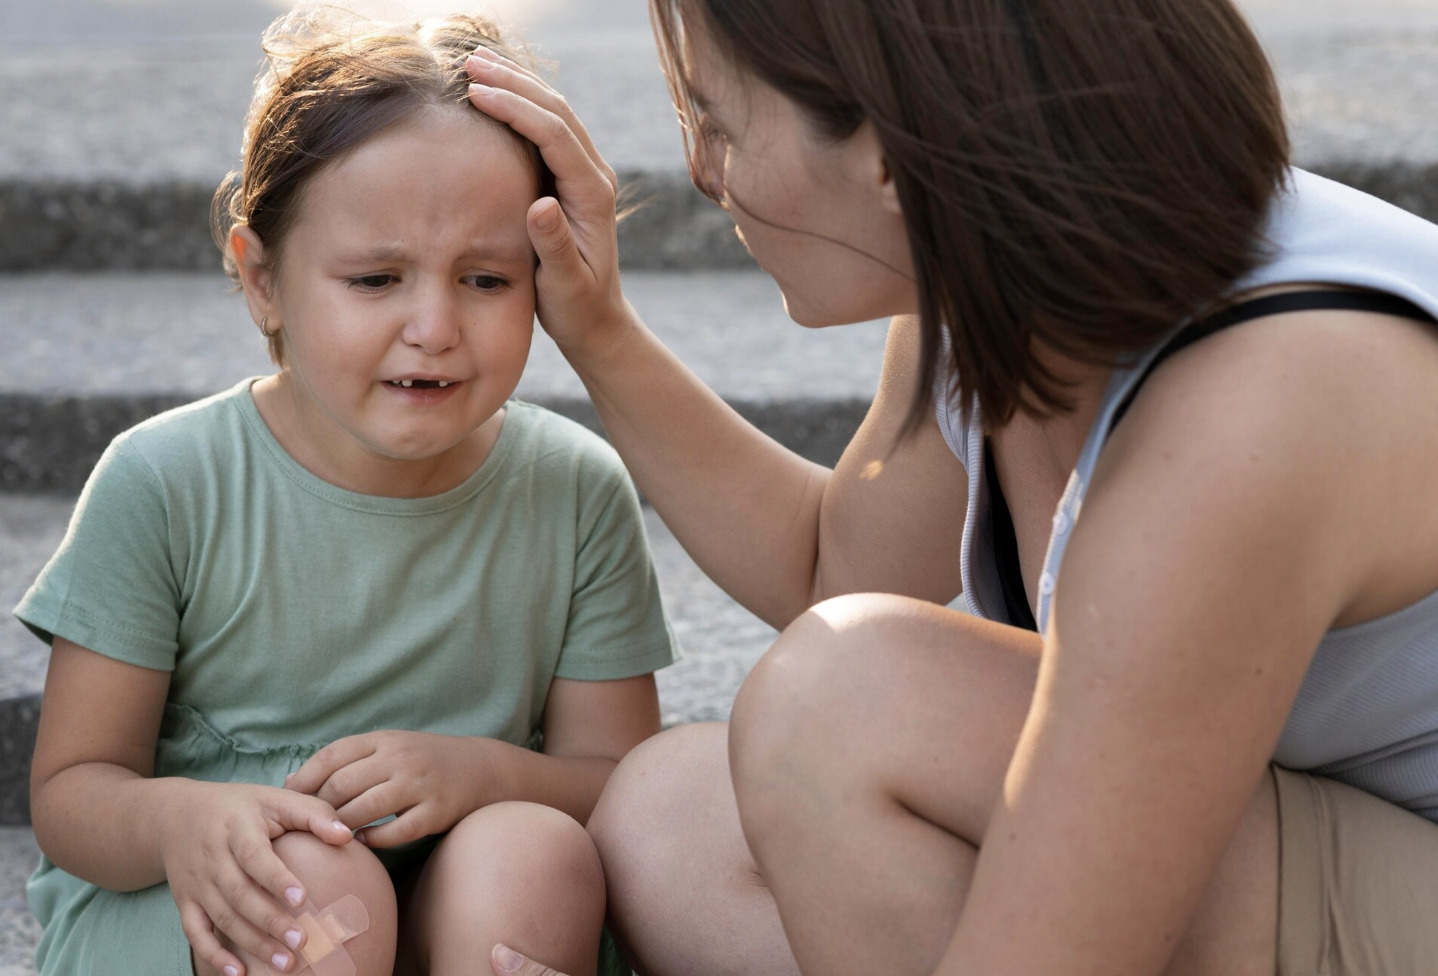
<point>231,971</point>
<point>337,825</point>
<point>508,959</point>
<point>279,960</point>
<point>359,836</point>
<point>292,938</point>
<point>295,896</point>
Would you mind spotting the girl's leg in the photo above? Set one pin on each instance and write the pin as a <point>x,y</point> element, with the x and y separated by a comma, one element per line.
<point>520,873</point>
<point>685,898</point>
<point>869,747</point>
<point>329,873</point>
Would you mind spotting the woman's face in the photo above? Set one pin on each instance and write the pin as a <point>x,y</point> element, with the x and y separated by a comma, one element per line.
<point>820,216</point>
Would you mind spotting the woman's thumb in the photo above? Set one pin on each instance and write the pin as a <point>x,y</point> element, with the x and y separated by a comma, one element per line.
<point>506,962</point>
<point>549,232</point>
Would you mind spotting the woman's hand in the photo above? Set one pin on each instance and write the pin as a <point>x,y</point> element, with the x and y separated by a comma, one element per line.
<point>579,300</point>
<point>224,873</point>
<point>506,962</point>
<point>427,782</point>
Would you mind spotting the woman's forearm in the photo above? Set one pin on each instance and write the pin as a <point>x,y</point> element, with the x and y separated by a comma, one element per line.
<point>744,507</point>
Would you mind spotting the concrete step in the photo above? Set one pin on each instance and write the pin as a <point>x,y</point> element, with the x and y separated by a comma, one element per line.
<point>721,640</point>
<point>18,929</point>
<point>89,355</point>
<point>119,174</point>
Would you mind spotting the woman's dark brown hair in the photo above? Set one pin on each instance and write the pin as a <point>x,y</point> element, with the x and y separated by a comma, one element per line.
<point>1076,174</point>
<point>332,80</point>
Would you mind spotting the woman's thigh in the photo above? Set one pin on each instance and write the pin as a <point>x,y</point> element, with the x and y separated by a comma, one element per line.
<point>869,748</point>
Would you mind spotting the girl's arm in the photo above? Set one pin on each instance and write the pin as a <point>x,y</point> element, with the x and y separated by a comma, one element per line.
<point>431,782</point>
<point>1236,517</point>
<point>775,531</point>
<point>99,815</point>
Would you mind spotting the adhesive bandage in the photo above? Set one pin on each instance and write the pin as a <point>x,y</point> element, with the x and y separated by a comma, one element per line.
<point>326,933</point>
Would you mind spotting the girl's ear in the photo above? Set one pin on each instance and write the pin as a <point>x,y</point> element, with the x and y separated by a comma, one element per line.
<point>255,276</point>
<point>875,167</point>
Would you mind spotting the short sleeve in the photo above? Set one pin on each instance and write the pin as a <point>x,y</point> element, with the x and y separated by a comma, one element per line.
<point>110,587</point>
<point>617,626</point>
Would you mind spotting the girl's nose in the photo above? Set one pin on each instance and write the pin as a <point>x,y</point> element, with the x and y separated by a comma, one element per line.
<point>434,324</point>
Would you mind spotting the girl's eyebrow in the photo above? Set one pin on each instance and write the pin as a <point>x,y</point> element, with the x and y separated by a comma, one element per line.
<point>517,253</point>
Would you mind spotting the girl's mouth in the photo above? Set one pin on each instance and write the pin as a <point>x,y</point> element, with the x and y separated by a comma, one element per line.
<point>422,384</point>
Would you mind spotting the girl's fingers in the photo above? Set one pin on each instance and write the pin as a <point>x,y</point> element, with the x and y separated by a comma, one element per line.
<point>317,769</point>
<point>373,804</point>
<point>408,826</point>
<point>260,864</point>
<point>290,811</point>
<point>226,918</point>
<point>201,935</point>
<point>265,916</point>
<point>492,69</point>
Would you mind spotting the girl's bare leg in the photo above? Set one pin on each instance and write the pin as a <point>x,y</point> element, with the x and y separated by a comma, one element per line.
<point>869,747</point>
<point>684,896</point>
<point>520,873</point>
<point>329,873</point>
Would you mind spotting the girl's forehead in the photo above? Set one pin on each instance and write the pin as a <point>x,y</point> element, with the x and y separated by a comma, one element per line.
<point>443,174</point>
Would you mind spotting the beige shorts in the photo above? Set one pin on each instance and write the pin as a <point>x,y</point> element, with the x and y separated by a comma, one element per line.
<point>1358,883</point>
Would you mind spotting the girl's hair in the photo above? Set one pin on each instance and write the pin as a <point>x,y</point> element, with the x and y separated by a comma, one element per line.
<point>1080,175</point>
<point>333,79</point>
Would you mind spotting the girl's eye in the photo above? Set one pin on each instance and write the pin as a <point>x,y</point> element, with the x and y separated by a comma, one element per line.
<point>487,282</point>
<point>373,282</point>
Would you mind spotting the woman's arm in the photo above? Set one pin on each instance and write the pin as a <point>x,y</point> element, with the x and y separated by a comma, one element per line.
<point>775,531</point>
<point>1236,516</point>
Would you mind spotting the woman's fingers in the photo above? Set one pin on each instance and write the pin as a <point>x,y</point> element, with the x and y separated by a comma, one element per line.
<point>506,962</point>
<point>577,177</point>
<point>494,70</point>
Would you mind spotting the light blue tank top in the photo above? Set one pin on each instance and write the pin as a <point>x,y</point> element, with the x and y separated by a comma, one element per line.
<point>1367,713</point>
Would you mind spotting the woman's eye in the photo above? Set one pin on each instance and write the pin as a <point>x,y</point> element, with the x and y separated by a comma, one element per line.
<point>706,130</point>
<point>373,282</point>
<point>487,282</point>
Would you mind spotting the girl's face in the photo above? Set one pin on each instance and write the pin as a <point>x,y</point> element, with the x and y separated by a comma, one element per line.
<point>406,294</point>
<point>822,217</point>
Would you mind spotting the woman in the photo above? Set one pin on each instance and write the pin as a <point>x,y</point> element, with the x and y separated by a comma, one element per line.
<point>1207,746</point>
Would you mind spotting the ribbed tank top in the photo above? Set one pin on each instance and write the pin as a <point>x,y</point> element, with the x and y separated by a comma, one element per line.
<point>1367,712</point>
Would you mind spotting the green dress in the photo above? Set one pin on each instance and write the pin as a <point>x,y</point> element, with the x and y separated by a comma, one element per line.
<point>291,613</point>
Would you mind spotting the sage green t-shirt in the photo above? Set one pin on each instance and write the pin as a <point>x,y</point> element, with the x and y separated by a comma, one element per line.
<point>292,612</point>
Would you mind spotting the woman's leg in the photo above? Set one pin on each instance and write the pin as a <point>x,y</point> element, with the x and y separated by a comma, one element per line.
<point>869,747</point>
<point>684,896</point>
<point>520,873</point>
<point>329,873</point>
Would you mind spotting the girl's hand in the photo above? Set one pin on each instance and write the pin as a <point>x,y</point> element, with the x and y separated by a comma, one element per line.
<point>428,782</point>
<point>225,876</point>
<point>579,300</point>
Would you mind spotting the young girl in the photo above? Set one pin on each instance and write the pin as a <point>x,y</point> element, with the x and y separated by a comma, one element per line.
<point>369,586</point>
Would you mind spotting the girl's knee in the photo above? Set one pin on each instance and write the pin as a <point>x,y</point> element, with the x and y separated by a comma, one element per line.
<point>330,873</point>
<point>532,854</point>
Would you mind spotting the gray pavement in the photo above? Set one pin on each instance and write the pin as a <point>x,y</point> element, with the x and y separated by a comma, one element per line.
<point>120,118</point>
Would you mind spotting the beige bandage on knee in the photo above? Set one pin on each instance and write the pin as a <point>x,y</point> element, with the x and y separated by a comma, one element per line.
<point>327,931</point>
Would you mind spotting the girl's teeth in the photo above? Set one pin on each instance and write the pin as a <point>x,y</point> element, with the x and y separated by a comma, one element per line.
<point>406,383</point>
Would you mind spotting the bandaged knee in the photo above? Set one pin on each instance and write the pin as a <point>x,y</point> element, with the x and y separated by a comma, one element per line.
<point>326,933</point>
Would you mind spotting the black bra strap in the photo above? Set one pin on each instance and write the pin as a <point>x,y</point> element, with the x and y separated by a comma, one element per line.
<point>1006,548</point>
<point>1294,301</point>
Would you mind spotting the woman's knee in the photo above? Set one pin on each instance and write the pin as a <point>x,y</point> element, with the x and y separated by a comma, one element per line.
<point>331,873</point>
